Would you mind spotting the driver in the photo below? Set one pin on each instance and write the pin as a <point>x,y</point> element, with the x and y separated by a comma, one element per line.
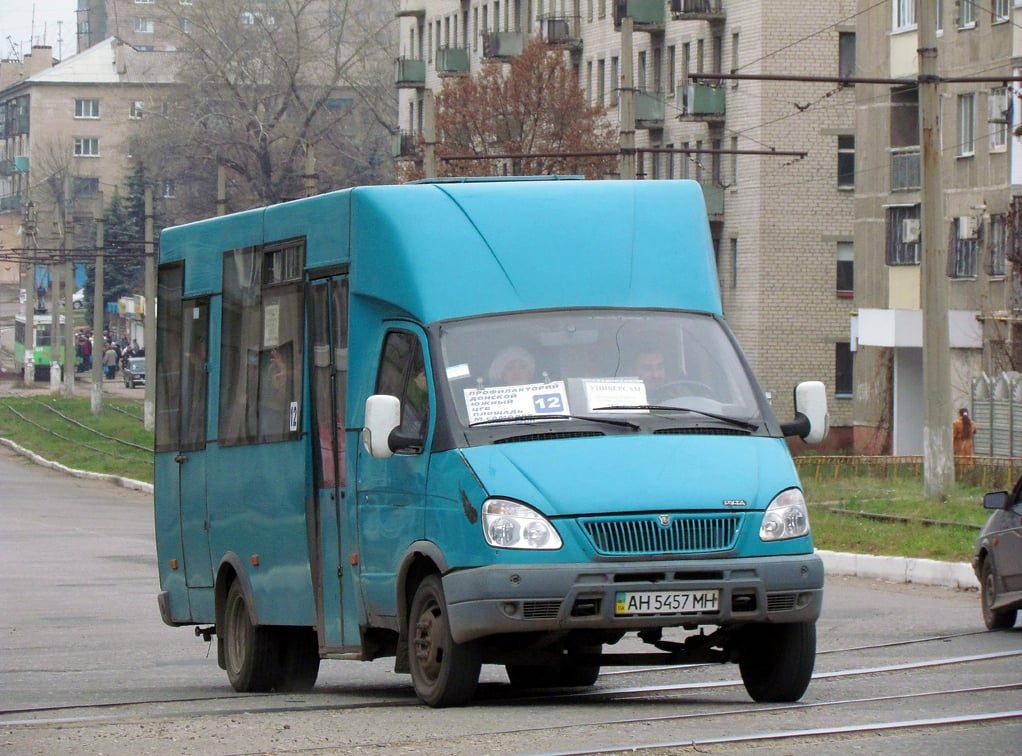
<point>650,365</point>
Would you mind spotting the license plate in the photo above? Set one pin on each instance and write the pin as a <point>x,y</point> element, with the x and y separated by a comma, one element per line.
<point>665,602</point>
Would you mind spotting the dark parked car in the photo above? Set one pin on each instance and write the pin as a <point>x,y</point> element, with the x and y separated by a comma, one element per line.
<point>998,558</point>
<point>134,373</point>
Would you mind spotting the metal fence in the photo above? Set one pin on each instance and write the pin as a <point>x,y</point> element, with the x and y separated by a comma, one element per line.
<point>997,410</point>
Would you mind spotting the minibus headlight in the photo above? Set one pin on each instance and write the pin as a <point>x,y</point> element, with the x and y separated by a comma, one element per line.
<point>786,517</point>
<point>510,525</point>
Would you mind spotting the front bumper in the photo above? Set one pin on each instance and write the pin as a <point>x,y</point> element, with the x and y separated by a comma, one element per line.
<point>559,597</point>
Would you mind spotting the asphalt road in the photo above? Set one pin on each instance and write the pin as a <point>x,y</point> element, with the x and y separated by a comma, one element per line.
<point>86,666</point>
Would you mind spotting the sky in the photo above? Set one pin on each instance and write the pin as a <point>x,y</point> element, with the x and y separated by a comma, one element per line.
<point>19,33</point>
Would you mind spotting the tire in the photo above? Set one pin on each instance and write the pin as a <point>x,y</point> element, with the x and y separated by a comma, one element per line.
<point>299,663</point>
<point>251,652</point>
<point>444,673</point>
<point>776,661</point>
<point>994,619</point>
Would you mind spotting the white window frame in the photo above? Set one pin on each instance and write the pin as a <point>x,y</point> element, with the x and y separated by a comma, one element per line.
<point>966,124</point>
<point>144,25</point>
<point>1001,10</point>
<point>87,108</point>
<point>136,110</point>
<point>168,188</point>
<point>967,14</point>
<point>86,147</point>
<point>903,15</point>
<point>999,118</point>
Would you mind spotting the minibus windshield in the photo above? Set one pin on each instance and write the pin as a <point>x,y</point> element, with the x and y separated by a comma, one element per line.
<point>586,363</point>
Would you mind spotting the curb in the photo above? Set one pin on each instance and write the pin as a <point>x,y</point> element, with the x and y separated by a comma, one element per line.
<point>900,569</point>
<point>136,485</point>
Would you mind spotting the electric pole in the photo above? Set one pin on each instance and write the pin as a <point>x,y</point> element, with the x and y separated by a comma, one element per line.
<point>938,456</point>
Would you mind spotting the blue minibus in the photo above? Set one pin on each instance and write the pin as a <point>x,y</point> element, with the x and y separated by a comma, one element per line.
<point>467,422</point>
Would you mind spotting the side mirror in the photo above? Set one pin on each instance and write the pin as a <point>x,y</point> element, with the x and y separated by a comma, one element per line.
<point>996,500</point>
<point>812,422</point>
<point>383,415</point>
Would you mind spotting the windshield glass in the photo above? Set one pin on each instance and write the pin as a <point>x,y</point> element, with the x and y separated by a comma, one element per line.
<point>593,362</point>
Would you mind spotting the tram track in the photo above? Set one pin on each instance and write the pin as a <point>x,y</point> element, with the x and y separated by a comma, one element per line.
<point>626,694</point>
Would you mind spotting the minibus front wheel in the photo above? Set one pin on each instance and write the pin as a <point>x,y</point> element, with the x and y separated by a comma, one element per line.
<point>444,673</point>
<point>776,661</point>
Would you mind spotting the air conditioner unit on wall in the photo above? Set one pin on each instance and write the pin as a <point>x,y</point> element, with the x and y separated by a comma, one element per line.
<point>909,230</point>
<point>968,226</point>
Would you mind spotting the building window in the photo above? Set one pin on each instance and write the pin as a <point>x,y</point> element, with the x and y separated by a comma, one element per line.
<point>86,108</point>
<point>169,188</point>
<point>734,162</point>
<point>998,236</point>
<point>601,66</point>
<point>846,161</point>
<point>734,263</point>
<point>843,363</point>
<point>940,17</point>
<point>86,147</point>
<point>967,9</point>
<point>966,125</point>
<point>903,235</point>
<point>904,15</point>
<point>999,117</point>
<point>734,58</point>
<point>672,62</point>
<point>1002,10</point>
<point>135,110</point>
<point>614,81</point>
<point>144,25</point>
<point>962,263</point>
<point>845,269</point>
<point>589,82</point>
<point>86,187</point>
<point>846,54</point>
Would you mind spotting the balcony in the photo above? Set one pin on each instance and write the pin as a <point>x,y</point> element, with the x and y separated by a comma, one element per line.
<point>503,44</point>
<point>649,110</point>
<point>713,194</point>
<point>905,172</point>
<point>562,31</point>
<point>697,10</point>
<point>410,73</point>
<point>406,144</point>
<point>646,15</point>
<point>452,61</point>
<point>701,102</point>
<point>413,8</point>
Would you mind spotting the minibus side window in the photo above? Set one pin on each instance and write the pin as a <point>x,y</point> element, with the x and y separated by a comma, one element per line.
<point>403,374</point>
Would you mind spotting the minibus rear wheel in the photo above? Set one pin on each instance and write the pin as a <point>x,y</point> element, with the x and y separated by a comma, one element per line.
<point>444,673</point>
<point>776,661</point>
<point>251,652</point>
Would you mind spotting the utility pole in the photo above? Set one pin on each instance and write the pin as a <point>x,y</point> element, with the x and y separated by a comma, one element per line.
<point>149,323</point>
<point>938,456</point>
<point>627,99</point>
<point>29,226</point>
<point>428,134</point>
<point>97,314</point>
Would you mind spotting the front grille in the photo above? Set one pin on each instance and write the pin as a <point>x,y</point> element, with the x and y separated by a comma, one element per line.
<point>541,609</point>
<point>781,602</point>
<point>645,534</point>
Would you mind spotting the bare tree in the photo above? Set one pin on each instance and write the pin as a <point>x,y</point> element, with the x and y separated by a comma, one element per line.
<point>532,106</point>
<point>261,89</point>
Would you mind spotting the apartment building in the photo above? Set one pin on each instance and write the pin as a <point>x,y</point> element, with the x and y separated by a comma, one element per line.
<point>776,158</point>
<point>981,176</point>
<point>65,129</point>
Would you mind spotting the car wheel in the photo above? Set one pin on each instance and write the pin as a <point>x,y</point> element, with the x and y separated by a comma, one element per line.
<point>251,652</point>
<point>776,661</point>
<point>444,673</point>
<point>994,619</point>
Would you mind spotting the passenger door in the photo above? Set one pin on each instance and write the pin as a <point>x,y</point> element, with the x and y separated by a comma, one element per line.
<point>391,495</point>
<point>333,531</point>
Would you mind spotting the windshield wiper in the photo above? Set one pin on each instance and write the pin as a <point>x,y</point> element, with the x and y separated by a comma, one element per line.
<point>663,408</point>
<point>533,418</point>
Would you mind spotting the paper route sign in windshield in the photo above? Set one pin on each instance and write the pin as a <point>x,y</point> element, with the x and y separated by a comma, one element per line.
<point>516,401</point>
